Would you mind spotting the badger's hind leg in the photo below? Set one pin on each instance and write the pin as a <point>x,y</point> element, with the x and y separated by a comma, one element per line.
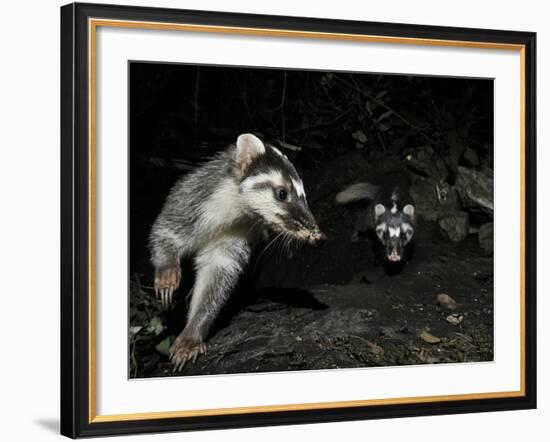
<point>218,268</point>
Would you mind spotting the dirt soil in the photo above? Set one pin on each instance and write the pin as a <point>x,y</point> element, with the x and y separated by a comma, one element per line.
<point>328,307</point>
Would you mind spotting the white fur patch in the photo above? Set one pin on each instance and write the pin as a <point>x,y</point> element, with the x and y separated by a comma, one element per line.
<point>262,200</point>
<point>223,207</point>
<point>272,176</point>
<point>299,186</point>
<point>408,230</point>
<point>394,231</point>
<point>394,208</point>
<point>381,229</point>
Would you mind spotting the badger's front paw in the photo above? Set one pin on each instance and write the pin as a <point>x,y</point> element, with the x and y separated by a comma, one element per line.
<point>167,280</point>
<point>184,349</point>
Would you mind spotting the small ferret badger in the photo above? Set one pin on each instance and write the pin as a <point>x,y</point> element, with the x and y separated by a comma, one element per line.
<point>391,217</point>
<point>216,215</point>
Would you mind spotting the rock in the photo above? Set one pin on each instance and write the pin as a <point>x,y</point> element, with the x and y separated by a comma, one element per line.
<point>471,157</point>
<point>425,161</point>
<point>356,192</point>
<point>445,301</point>
<point>475,190</point>
<point>434,199</point>
<point>485,236</point>
<point>375,349</point>
<point>447,197</point>
<point>456,225</point>
<point>454,319</point>
<point>429,338</point>
<point>425,198</point>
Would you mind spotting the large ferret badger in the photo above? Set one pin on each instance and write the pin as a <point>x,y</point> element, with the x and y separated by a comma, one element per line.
<point>217,214</point>
<point>390,216</point>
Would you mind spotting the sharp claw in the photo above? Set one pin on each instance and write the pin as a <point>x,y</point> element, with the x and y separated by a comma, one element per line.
<point>195,354</point>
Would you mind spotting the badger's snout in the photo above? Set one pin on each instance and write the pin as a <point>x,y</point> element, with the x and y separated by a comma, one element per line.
<point>316,237</point>
<point>394,256</point>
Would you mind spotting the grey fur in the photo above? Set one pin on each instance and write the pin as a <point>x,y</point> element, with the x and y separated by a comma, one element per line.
<point>217,214</point>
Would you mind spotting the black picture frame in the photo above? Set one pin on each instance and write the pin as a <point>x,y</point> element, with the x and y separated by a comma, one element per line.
<point>75,219</point>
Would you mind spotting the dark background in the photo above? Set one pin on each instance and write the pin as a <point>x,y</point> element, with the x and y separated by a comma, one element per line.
<point>337,128</point>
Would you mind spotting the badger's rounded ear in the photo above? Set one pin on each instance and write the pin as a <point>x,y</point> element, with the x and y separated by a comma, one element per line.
<point>249,147</point>
<point>409,210</point>
<point>379,210</point>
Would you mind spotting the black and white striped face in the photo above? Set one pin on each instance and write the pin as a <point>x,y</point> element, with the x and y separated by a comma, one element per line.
<point>271,188</point>
<point>394,229</point>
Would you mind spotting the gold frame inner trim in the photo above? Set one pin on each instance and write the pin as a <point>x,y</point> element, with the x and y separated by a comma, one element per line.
<point>93,24</point>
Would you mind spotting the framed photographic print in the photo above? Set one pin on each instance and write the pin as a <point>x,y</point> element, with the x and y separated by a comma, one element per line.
<point>278,220</point>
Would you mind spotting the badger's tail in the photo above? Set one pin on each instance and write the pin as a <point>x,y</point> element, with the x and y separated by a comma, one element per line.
<point>357,192</point>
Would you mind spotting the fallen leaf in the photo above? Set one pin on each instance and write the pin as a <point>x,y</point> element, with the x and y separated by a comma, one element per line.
<point>155,326</point>
<point>163,346</point>
<point>429,338</point>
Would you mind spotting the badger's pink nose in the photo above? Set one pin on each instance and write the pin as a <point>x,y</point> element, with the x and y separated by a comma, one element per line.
<point>317,238</point>
<point>394,257</point>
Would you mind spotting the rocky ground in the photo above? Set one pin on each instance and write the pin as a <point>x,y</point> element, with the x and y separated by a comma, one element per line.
<point>374,319</point>
<point>334,306</point>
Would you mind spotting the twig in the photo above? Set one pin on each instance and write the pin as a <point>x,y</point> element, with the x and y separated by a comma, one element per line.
<point>385,106</point>
<point>322,123</point>
<point>243,98</point>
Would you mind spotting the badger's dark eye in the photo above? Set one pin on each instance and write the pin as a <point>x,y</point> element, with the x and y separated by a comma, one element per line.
<point>281,194</point>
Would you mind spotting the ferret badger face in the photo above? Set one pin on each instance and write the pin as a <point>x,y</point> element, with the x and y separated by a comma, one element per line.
<point>394,229</point>
<point>271,188</point>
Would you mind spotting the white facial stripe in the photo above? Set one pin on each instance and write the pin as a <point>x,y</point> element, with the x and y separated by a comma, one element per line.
<point>299,186</point>
<point>272,176</point>
<point>380,229</point>
<point>409,231</point>
<point>394,208</point>
<point>394,231</point>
